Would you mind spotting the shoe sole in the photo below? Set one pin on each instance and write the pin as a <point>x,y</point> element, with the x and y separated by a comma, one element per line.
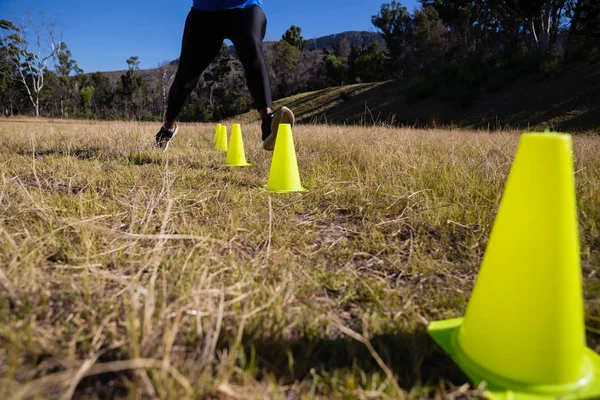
<point>282,116</point>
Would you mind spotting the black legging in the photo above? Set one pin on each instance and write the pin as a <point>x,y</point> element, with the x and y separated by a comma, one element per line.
<point>202,39</point>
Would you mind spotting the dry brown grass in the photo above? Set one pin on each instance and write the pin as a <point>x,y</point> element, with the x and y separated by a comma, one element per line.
<point>130,273</point>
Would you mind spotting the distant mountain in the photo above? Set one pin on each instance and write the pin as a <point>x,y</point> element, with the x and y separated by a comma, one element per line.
<point>355,38</point>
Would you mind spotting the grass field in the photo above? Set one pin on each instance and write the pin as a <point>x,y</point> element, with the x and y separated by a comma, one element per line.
<point>125,272</point>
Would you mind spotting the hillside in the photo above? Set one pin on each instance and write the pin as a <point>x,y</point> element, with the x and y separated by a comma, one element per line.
<point>568,103</point>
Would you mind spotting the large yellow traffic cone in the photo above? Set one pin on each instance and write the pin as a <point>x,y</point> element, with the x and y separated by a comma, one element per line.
<point>221,143</point>
<point>523,331</point>
<point>217,133</point>
<point>284,176</point>
<point>236,156</point>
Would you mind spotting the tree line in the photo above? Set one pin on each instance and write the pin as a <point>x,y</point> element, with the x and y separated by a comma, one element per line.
<point>459,49</point>
<point>454,47</point>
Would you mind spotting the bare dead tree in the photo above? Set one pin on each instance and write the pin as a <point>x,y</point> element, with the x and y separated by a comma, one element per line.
<point>32,60</point>
<point>544,23</point>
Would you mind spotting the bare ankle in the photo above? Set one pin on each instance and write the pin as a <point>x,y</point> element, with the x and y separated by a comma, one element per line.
<point>170,125</point>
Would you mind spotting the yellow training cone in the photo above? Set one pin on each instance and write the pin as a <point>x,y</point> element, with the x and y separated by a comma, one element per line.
<point>284,176</point>
<point>221,142</point>
<point>523,332</point>
<point>236,156</point>
<point>217,133</point>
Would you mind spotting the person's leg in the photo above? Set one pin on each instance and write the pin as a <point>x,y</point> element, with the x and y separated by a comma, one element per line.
<point>202,40</point>
<point>247,31</point>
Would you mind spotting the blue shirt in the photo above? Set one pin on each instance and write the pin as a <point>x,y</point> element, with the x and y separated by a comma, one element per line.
<point>215,5</point>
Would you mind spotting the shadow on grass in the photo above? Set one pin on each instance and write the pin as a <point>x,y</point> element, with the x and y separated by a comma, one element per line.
<point>143,159</point>
<point>412,356</point>
<point>233,176</point>
<point>589,119</point>
<point>105,386</point>
<point>82,153</point>
<point>95,153</point>
<point>241,182</point>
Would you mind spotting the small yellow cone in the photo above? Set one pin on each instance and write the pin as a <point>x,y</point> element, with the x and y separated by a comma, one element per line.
<point>236,156</point>
<point>284,176</point>
<point>217,133</point>
<point>221,142</point>
<point>523,331</point>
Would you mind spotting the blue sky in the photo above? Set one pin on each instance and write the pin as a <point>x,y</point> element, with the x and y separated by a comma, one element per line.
<point>102,34</point>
